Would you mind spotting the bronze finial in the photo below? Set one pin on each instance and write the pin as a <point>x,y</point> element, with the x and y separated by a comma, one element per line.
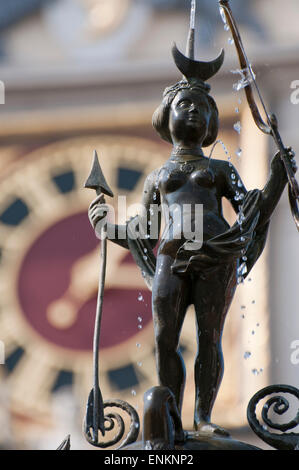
<point>189,67</point>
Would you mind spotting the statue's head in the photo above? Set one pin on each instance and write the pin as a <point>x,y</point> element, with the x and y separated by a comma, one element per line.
<point>187,109</point>
<point>196,119</point>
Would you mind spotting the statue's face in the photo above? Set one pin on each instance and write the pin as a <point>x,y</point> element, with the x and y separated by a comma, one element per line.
<point>189,116</point>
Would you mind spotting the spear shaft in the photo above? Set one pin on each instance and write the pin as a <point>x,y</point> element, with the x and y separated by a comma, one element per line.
<point>96,338</point>
<point>95,407</point>
<point>190,49</point>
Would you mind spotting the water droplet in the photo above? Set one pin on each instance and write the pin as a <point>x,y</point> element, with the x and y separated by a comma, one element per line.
<point>138,345</point>
<point>242,270</point>
<point>238,127</point>
<point>239,196</point>
<point>243,307</point>
<point>145,257</point>
<point>249,279</point>
<point>253,332</point>
<point>243,316</point>
<point>230,41</point>
<point>219,141</point>
<point>257,324</point>
<point>133,392</point>
<point>148,445</point>
<point>140,327</point>
<point>140,297</point>
<point>255,372</point>
<point>233,176</point>
<point>242,239</point>
<point>253,302</point>
<point>237,110</point>
<point>247,355</point>
<point>139,364</point>
<point>222,14</point>
<point>226,27</point>
<point>247,75</point>
<point>241,218</point>
<point>239,154</point>
<point>140,319</point>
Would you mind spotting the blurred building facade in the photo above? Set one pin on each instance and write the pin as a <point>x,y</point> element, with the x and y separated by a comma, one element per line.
<point>86,74</point>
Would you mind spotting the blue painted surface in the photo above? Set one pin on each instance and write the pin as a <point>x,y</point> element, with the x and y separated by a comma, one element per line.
<point>15,213</point>
<point>12,11</point>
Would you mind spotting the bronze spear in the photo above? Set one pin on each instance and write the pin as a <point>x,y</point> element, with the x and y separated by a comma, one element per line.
<point>95,409</point>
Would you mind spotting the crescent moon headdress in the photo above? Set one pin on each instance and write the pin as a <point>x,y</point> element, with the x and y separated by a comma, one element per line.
<point>195,73</point>
<point>190,68</point>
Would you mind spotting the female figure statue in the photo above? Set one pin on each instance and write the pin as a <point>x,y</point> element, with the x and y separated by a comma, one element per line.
<point>203,269</point>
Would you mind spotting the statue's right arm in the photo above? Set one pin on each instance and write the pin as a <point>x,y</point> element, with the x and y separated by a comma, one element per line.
<point>98,211</point>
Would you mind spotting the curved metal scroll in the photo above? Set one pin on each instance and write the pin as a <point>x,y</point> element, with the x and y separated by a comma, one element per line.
<point>110,420</point>
<point>280,405</point>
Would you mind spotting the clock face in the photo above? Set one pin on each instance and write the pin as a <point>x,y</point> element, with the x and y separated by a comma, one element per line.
<point>98,29</point>
<point>104,16</point>
<point>49,276</point>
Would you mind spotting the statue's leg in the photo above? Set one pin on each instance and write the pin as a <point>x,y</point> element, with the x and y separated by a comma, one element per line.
<point>213,294</point>
<point>170,299</point>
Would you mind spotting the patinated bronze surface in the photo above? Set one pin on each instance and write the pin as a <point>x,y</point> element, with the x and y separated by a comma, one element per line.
<point>188,177</point>
<point>185,277</point>
<point>184,274</point>
<point>280,405</point>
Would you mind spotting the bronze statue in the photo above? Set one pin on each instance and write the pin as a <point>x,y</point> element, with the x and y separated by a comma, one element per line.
<point>204,269</point>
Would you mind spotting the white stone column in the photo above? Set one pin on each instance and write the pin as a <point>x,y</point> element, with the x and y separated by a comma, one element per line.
<point>253,295</point>
<point>284,264</point>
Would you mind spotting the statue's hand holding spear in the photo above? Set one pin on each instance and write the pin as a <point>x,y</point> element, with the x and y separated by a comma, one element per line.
<point>95,418</point>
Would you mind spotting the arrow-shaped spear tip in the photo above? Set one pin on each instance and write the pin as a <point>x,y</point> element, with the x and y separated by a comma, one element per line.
<point>96,179</point>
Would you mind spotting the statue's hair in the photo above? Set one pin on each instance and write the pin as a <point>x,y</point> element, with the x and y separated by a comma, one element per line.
<point>160,118</point>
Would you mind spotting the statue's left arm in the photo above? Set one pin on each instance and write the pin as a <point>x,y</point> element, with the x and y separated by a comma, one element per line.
<point>261,202</point>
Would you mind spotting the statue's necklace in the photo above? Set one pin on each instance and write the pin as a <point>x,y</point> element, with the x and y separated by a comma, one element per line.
<point>184,165</point>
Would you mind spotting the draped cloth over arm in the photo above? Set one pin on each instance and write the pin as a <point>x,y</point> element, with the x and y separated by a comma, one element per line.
<point>247,239</point>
